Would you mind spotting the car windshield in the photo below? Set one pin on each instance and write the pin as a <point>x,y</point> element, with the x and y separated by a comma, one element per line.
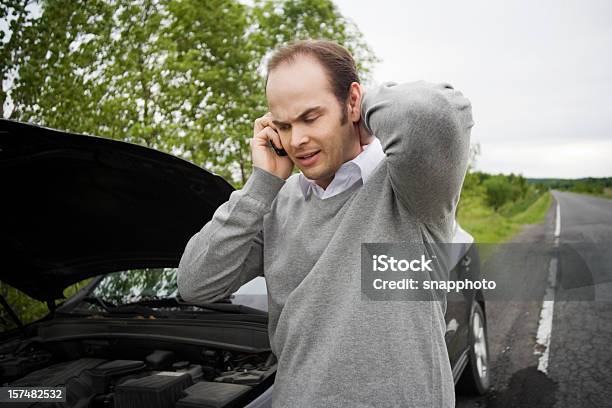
<point>136,285</point>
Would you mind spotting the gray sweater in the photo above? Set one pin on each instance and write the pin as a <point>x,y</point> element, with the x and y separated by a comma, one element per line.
<point>334,348</point>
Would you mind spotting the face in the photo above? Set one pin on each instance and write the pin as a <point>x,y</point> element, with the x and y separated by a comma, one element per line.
<point>307,117</point>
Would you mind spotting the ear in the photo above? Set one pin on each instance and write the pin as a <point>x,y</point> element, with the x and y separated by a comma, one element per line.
<point>354,102</point>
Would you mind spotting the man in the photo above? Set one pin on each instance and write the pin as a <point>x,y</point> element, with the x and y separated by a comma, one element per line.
<point>385,165</point>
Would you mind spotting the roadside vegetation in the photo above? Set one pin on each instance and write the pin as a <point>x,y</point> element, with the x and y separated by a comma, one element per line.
<point>600,187</point>
<point>493,208</point>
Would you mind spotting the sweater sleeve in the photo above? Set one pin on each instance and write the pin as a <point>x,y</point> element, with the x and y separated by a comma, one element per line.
<point>228,251</point>
<point>425,132</point>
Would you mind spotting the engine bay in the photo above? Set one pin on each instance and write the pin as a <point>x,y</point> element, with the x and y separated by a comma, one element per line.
<point>111,365</point>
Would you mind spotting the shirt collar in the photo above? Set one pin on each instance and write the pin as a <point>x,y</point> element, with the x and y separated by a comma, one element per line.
<point>365,163</point>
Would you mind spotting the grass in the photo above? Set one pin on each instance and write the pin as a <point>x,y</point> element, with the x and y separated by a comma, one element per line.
<point>536,212</point>
<point>488,226</point>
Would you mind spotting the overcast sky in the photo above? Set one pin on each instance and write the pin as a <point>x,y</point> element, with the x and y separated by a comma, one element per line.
<point>539,74</point>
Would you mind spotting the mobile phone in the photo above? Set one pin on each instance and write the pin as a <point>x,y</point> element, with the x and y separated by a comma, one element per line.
<point>279,152</point>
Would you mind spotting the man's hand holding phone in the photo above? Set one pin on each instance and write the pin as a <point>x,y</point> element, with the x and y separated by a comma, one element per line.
<point>263,154</point>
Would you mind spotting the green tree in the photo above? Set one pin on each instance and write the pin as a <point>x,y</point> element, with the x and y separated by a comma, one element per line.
<point>18,18</point>
<point>184,76</point>
<point>498,191</point>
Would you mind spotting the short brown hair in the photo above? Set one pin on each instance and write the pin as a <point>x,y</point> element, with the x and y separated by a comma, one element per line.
<point>336,60</point>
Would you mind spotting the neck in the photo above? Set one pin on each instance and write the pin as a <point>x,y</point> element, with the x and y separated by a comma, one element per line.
<point>324,183</point>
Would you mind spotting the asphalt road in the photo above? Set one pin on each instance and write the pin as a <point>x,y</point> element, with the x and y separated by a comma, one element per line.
<point>560,356</point>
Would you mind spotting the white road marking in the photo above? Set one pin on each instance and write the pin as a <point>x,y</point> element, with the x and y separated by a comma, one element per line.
<point>542,346</point>
<point>558,224</point>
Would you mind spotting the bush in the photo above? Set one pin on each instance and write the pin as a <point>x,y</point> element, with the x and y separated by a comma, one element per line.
<point>498,191</point>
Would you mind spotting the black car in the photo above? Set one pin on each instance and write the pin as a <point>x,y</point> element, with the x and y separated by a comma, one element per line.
<point>77,207</point>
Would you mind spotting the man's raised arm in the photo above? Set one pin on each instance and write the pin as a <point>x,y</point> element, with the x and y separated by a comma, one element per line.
<point>425,133</point>
<point>228,251</point>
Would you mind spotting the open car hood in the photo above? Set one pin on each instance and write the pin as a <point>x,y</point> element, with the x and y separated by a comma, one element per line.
<point>76,206</point>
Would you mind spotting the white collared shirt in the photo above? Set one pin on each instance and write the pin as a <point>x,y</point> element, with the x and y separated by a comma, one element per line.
<point>356,170</point>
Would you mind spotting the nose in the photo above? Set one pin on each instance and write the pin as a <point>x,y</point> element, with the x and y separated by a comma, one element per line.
<point>299,137</point>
